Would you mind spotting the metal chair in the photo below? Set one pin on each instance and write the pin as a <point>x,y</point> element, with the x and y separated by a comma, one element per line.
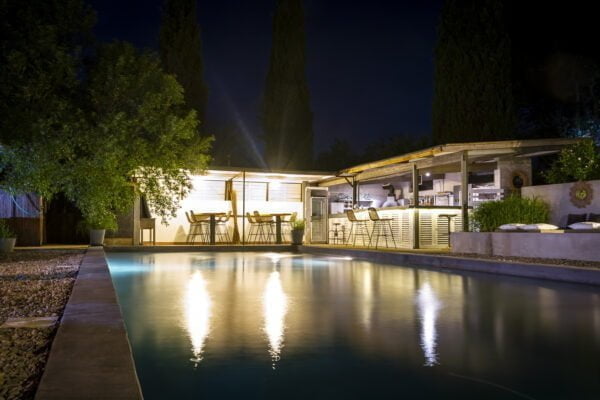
<point>358,228</point>
<point>196,228</point>
<point>265,227</point>
<point>221,230</point>
<point>381,227</point>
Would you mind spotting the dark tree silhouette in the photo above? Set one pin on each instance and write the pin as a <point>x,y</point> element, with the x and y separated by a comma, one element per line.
<point>181,51</point>
<point>286,114</point>
<point>474,97</point>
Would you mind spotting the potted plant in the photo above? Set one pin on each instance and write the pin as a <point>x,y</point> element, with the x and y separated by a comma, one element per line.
<point>7,238</point>
<point>97,225</point>
<point>298,231</point>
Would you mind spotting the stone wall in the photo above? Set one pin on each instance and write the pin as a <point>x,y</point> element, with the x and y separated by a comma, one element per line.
<point>553,245</point>
<point>558,197</point>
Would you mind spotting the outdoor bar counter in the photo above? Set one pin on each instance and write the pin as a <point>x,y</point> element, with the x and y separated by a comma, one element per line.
<point>431,228</point>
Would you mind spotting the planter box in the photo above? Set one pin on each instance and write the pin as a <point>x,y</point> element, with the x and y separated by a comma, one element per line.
<point>557,245</point>
<point>471,242</point>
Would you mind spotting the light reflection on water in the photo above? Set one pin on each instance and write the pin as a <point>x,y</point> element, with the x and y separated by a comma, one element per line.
<point>428,307</point>
<point>274,308</point>
<point>263,325</point>
<point>197,314</point>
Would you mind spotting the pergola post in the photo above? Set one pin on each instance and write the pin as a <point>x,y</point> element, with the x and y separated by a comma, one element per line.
<point>464,189</point>
<point>415,185</point>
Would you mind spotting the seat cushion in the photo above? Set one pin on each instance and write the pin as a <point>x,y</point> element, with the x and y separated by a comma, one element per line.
<point>585,225</point>
<point>594,217</point>
<point>574,218</point>
<point>510,227</point>
<point>538,227</point>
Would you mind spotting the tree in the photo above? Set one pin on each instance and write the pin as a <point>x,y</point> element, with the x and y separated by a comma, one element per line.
<point>579,162</point>
<point>181,51</point>
<point>139,139</point>
<point>473,97</point>
<point>98,132</point>
<point>339,155</point>
<point>286,114</point>
<point>41,46</point>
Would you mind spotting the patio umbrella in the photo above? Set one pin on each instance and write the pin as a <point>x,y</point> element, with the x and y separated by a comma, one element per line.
<point>236,232</point>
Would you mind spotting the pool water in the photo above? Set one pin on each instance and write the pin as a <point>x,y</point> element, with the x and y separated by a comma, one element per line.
<point>287,326</point>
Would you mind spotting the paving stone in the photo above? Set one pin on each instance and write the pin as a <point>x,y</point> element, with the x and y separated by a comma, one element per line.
<point>29,322</point>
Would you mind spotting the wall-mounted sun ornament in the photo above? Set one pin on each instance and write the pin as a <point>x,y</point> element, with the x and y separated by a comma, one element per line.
<point>581,194</point>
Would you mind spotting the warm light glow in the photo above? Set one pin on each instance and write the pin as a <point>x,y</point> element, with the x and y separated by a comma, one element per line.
<point>428,306</point>
<point>197,314</point>
<point>427,173</point>
<point>275,185</point>
<point>275,308</point>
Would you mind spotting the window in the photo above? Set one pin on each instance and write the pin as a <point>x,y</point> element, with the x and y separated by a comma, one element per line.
<point>285,191</point>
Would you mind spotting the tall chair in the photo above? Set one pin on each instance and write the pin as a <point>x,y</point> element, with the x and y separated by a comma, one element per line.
<point>265,227</point>
<point>358,228</point>
<point>254,229</point>
<point>221,230</point>
<point>196,228</point>
<point>381,227</point>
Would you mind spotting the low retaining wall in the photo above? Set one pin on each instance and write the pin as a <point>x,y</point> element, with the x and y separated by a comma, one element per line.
<point>557,245</point>
<point>442,262</point>
<point>559,199</point>
<point>90,357</point>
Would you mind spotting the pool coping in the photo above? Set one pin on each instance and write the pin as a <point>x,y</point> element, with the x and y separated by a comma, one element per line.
<point>561,273</point>
<point>202,248</point>
<point>91,356</point>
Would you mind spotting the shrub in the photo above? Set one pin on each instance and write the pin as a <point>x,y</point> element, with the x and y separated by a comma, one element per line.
<point>512,210</point>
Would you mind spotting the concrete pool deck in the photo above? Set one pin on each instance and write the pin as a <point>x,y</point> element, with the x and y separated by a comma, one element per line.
<point>90,357</point>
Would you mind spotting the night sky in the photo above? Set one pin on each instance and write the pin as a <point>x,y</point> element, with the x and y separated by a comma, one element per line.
<point>370,63</point>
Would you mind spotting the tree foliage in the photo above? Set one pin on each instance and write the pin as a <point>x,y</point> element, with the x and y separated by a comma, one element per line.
<point>181,51</point>
<point>579,162</point>
<point>286,114</point>
<point>341,154</point>
<point>473,98</point>
<point>100,132</point>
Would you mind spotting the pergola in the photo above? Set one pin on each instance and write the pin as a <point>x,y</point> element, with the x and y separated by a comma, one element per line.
<point>453,157</point>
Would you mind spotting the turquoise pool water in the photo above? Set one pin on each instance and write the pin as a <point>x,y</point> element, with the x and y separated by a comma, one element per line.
<point>285,326</point>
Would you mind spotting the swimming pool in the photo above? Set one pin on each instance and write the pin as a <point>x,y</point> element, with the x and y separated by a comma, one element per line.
<point>293,326</point>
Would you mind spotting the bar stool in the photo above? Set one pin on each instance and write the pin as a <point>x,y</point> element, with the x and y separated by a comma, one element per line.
<point>381,227</point>
<point>253,231</point>
<point>221,231</point>
<point>196,228</point>
<point>337,235</point>
<point>358,228</point>
<point>449,230</point>
<point>265,227</point>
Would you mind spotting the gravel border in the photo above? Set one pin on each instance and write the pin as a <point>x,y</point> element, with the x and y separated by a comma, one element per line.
<point>33,283</point>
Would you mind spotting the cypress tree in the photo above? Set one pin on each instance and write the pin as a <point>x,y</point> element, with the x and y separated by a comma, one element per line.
<point>181,51</point>
<point>286,114</point>
<point>473,97</point>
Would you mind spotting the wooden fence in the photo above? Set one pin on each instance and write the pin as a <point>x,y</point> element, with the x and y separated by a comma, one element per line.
<point>24,215</point>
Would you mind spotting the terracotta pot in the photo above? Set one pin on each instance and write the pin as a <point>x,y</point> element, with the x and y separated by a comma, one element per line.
<point>97,237</point>
<point>297,236</point>
<point>7,245</point>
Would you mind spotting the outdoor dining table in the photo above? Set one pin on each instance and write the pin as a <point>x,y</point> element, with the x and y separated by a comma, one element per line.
<point>278,219</point>
<point>213,223</point>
